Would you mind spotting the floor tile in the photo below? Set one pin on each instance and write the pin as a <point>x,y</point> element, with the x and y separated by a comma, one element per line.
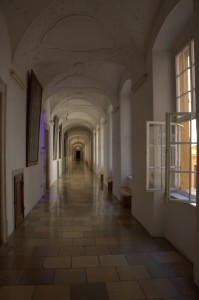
<point>83,241</point>
<point>70,276</point>
<point>38,276</point>
<point>132,273</point>
<point>23,250</point>
<point>127,290</point>
<point>140,259</point>
<point>107,241</point>
<point>93,234</point>
<point>72,234</point>
<point>37,242</point>
<point>52,292</point>
<point>85,262</point>
<point>82,228</point>
<point>112,260</point>
<point>96,250</point>
<point>46,251</point>
<point>185,268</point>
<point>159,288</point>
<point>71,251</point>
<point>186,286</point>
<point>10,277</point>
<point>101,274</point>
<point>162,270</point>
<point>122,249</point>
<point>16,292</point>
<point>89,291</point>
<point>80,236</point>
<point>28,263</point>
<point>167,256</point>
<point>57,262</point>
<point>61,242</point>
<point>7,262</point>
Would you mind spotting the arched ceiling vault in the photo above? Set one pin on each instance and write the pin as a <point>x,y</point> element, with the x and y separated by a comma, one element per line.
<point>79,135</point>
<point>79,50</point>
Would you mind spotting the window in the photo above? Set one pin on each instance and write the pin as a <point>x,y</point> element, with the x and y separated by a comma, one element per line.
<point>185,79</point>
<point>181,156</point>
<point>182,139</point>
<point>172,148</point>
<point>155,155</point>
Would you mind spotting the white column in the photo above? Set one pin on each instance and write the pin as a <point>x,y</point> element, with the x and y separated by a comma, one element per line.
<point>110,140</point>
<point>97,149</point>
<point>108,137</point>
<point>94,150</point>
<point>116,152</point>
<point>102,146</point>
<point>126,129</point>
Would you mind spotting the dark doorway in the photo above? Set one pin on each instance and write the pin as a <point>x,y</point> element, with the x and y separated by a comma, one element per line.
<point>78,155</point>
<point>46,160</point>
<point>0,169</point>
<point>19,199</point>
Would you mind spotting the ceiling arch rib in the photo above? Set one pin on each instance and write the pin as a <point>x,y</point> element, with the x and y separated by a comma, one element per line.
<point>80,50</point>
<point>78,136</point>
<point>78,110</point>
<point>63,34</point>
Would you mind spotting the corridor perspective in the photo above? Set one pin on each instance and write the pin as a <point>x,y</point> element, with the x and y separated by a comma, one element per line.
<point>80,243</point>
<point>99,110</point>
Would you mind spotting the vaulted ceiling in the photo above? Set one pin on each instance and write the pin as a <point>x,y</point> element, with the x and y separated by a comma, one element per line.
<point>80,50</point>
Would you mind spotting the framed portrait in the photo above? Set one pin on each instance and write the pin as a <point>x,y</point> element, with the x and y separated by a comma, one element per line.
<point>33,119</point>
<point>55,136</point>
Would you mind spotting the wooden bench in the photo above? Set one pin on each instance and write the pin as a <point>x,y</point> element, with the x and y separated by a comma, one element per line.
<point>101,176</point>
<point>110,183</point>
<point>125,193</point>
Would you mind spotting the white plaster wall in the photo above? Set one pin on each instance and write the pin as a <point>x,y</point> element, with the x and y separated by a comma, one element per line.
<point>105,152</point>
<point>94,151</point>
<point>168,217</point>
<point>180,227</point>
<point>97,160</point>
<point>142,111</point>
<point>163,84</point>
<point>126,136</point>
<point>116,153</point>
<point>102,146</point>
<point>16,134</point>
<point>164,101</point>
<point>53,162</point>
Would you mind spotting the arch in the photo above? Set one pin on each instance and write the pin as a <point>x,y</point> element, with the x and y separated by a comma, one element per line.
<point>175,31</point>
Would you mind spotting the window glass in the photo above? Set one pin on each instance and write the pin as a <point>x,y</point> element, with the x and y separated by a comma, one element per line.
<point>185,79</point>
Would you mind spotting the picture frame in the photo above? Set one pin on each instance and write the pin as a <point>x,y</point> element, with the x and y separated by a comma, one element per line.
<point>34,101</point>
<point>55,137</point>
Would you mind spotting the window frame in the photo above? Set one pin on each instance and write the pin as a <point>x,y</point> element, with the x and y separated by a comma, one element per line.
<point>186,116</point>
<point>190,46</point>
<point>162,168</point>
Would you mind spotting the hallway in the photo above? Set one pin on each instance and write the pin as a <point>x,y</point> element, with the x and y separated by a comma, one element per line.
<point>79,243</point>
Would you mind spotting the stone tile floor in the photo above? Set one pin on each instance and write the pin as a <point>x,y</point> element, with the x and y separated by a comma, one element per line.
<point>79,243</point>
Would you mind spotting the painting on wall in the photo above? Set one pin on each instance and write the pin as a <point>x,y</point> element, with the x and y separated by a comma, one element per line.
<point>55,136</point>
<point>33,119</point>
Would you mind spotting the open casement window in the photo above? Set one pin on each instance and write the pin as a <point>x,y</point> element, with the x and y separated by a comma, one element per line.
<point>181,156</point>
<point>155,156</point>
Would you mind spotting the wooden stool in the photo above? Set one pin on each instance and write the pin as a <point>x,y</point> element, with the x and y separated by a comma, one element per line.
<point>125,193</point>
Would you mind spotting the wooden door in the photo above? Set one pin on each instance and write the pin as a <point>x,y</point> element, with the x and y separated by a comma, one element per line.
<point>1,169</point>
<point>19,199</point>
<point>46,160</point>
